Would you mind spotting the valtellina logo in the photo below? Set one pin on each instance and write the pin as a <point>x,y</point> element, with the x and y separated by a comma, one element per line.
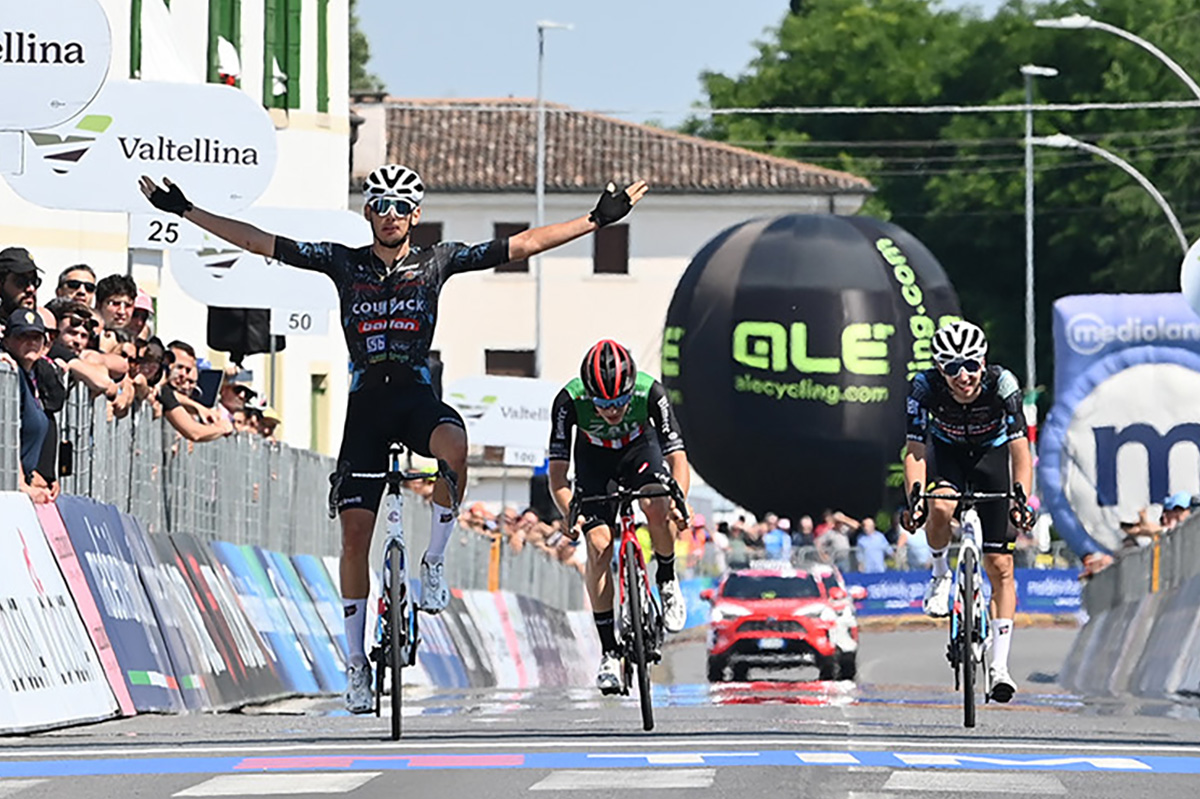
<point>63,152</point>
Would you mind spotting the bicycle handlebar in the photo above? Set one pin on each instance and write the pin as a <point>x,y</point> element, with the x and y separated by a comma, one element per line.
<point>1020,514</point>
<point>623,494</point>
<point>444,472</point>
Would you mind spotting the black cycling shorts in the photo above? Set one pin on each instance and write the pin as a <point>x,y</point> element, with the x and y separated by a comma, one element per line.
<point>599,471</point>
<point>983,470</point>
<point>375,417</point>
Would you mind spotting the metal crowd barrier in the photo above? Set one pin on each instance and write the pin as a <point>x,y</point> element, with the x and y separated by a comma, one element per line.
<point>1167,563</point>
<point>10,428</point>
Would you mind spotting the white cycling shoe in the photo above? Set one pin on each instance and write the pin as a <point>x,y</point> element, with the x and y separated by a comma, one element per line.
<point>608,678</point>
<point>359,698</point>
<point>1003,685</point>
<point>435,593</point>
<point>674,607</point>
<point>937,596</point>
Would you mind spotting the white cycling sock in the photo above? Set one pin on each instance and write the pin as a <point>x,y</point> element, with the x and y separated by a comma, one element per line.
<point>1001,642</point>
<point>439,537</point>
<point>356,629</point>
<point>941,561</point>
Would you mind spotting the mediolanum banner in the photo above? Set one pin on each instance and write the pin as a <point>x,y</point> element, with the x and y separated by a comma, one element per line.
<point>54,57</point>
<point>215,141</point>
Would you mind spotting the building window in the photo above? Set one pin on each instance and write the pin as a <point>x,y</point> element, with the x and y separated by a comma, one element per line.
<point>318,421</point>
<point>224,39</point>
<point>426,234</point>
<point>323,56</point>
<point>504,230</point>
<point>610,250</point>
<point>281,53</point>
<point>509,363</point>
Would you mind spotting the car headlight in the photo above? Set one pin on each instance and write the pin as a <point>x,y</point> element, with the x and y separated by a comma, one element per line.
<point>725,612</point>
<point>822,612</point>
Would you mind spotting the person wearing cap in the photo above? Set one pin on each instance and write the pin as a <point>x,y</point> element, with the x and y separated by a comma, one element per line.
<point>19,281</point>
<point>270,422</point>
<point>139,323</point>
<point>24,342</point>
<point>77,283</point>
<point>234,394</point>
<point>1176,508</point>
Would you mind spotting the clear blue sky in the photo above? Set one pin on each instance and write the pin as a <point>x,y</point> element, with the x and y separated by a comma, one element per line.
<point>637,55</point>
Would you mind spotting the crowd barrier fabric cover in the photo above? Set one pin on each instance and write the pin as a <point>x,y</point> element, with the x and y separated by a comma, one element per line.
<point>328,666</point>
<point>50,674</point>
<point>325,598</point>
<point>469,642</point>
<point>489,610</point>
<point>98,535</point>
<point>72,572</point>
<point>1127,372</point>
<point>536,631</point>
<point>800,334</point>
<point>183,648</point>
<point>266,612</point>
<point>248,660</point>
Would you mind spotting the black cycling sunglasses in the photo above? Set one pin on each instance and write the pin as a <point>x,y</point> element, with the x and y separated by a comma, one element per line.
<point>76,285</point>
<point>952,368</point>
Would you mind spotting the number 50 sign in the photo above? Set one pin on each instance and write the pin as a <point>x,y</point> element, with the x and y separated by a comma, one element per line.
<point>299,323</point>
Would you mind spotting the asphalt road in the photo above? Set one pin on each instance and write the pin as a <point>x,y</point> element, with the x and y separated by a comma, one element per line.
<point>897,733</point>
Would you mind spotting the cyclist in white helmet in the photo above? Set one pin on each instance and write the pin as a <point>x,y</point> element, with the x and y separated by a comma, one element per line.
<point>966,428</point>
<point>388,293</point>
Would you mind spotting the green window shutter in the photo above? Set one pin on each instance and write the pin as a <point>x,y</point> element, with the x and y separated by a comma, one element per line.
<point>224,21</point>
<point>323,56</point>
<point>135,39</point>
<point>269,34</point>
<point>293,54</point>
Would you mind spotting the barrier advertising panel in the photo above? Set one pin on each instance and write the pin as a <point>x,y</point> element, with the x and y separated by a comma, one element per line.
<point>439,656</point>
<point>1038,591</point>
<point>245,655</point>
<point>266,612</point>
<point>469,643</point>
<point>328,666</point>
<point>68,563</point>
<point>49,672</point>
<point>98,536</point>
<point>542,642</point>
<point>182,648</point>
<point>220,689</point>
<point>499,638</point>
<point>324,595</point>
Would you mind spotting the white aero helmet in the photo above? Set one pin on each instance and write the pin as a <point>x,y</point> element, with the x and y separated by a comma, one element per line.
<point>394,181</point>
<point>959,341</point>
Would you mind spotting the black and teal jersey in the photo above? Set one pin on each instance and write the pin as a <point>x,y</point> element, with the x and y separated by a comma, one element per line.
<point>993,419</point>
<point>649,413</point>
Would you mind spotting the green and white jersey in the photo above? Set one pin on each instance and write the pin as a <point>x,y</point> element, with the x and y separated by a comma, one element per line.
<point>649,410</point>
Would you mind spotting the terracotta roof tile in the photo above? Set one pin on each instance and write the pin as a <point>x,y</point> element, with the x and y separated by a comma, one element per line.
<point>491,145</point>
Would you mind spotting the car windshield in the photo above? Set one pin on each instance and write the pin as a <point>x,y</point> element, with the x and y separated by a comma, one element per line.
<point>742,586</point>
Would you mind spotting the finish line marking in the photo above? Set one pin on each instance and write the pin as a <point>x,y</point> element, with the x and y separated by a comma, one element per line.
<point>552,761</point>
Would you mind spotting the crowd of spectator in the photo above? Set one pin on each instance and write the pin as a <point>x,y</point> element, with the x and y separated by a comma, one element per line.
<point>101,334</point>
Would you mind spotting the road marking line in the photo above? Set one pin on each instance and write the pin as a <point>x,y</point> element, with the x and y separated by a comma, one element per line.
<point>672,758</point>
<point>279,784</point>
<point>969,783</point>
<point>828,758</point>
<point>626,779</point>
<point>874,745</point>
<point>13,787</point>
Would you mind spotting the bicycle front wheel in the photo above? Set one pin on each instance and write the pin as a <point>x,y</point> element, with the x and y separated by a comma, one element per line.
<point>397,625</point>
<point>967,630</point>
<point>634,591</point>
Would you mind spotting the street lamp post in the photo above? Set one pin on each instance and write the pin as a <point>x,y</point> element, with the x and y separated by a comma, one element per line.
<point>1065,142</point>
<point>540,191</point>
<point>1030,72</point>
<point>1081,22</point>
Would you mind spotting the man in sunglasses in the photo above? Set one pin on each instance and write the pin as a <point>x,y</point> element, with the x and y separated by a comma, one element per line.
<point>625,432</point>
<point>19,281</point>
<point>388,293</point>
<point>77,283</point>
<point>966,431</point>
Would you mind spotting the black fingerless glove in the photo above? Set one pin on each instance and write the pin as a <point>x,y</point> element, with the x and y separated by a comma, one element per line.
<point>614,204</point>
<point>171,200</point>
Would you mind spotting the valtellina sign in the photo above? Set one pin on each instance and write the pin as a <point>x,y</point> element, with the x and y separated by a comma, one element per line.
<point>54,56</point>
<point>215,141</point>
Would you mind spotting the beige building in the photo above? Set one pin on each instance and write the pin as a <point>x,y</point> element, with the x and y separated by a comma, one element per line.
<point>478,160</point>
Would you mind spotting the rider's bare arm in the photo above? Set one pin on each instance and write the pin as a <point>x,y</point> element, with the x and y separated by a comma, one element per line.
<point>539,239</point>
<point>1021,463</point>
<point>914,464</point>
<point>239,234</point>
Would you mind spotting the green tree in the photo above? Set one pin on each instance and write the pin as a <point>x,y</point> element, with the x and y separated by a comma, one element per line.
<point>957,182</point>
<point>361,81</point>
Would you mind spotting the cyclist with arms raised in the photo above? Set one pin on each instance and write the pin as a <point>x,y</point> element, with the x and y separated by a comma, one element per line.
<point>627,433</point>
<point>966,430</point>
<point>388,292</point>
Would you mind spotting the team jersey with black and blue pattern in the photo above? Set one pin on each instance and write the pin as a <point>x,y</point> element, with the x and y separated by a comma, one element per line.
<point>389,316</point>
<point>992,420</point>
